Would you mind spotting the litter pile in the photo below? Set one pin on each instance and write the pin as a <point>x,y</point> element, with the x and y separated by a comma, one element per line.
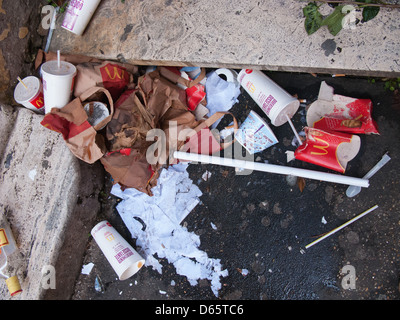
<point>142,124</point>
<point>156,226</point>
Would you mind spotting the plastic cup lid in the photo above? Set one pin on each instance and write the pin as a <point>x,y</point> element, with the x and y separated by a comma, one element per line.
<point>51,67</point>
<point>22,94</point>
<point>279,116</point>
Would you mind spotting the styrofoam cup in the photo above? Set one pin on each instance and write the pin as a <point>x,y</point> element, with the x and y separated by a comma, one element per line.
<point>123,258</point>
<point>271,98</point>
<point>254,134</point>
<point>78,15</point>
<point>58,83</point>
<point>30,97</point>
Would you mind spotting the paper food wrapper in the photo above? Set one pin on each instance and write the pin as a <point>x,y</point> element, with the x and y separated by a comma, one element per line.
<point>332,150</point>
<point>333,112</point>
<point>71,121</point>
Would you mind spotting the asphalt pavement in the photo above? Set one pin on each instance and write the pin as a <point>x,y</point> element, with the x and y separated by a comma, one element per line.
<point>259,224</point>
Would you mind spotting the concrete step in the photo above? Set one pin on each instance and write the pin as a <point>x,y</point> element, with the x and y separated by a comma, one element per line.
<point>50,200</point>
<point>267,35</point>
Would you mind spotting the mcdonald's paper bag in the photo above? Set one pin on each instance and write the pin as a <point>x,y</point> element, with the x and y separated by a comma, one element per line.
<point>156,103</point>
<point>332,150</point>
<point>130,169</point>
<point>130,123</point>
<point>113,76</point>
<point>72,122</point>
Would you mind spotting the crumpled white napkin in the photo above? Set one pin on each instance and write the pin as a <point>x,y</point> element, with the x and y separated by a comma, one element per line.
<point>161,233</point>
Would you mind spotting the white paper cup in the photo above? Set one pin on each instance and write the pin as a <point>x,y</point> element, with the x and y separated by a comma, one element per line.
<point>271,98</point>
<point>119,253</point>
<point>78,15</point>
<point>97,112</point>
<point>30,97</point>
<point>254,134</point>
<point>58,83</point>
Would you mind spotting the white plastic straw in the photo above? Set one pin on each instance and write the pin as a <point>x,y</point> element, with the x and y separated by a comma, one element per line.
<point>294,130</point>
<point>58,59</point>
<point>342,226</point>
<point>266,167</point>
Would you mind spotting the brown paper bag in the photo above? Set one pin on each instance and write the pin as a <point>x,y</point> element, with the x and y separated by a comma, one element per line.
<point>113,76</point>
<point>156,103</point>
<point>130,169</point>
<point>130,123</point>
<point>71,121</point>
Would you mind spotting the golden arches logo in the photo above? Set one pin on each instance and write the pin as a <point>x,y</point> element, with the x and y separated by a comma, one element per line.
<point>322,148</point>
<point>251,87</point>
<point>39,102</point>
<point>115,74</point>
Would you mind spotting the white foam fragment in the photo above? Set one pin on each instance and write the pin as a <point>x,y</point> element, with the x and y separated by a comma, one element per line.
<point>87,268</point>
<point>163,237</point>
<point>32,174</point>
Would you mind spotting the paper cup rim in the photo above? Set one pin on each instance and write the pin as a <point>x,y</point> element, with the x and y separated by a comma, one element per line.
<point>72,74</point>
<point>132,269</point>
<point>19,85</point>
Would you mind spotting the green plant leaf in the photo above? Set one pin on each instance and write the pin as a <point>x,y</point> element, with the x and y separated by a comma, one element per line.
<point>369,13</point>
<point>334,20</point>
<point>313,17</point>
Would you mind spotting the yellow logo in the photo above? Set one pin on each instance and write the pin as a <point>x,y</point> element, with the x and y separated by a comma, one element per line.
<point>115,74</point>
<point>322,148</point>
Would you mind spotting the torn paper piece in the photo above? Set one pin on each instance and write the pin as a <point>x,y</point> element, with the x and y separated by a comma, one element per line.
<point>206,175</point>
<point>87,268</point>
<point>32,174</point>
<point>164,238</point>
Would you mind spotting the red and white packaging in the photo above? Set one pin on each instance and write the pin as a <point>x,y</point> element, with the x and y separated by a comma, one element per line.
<point>31,96</point>
<point>333,112</point>
<point>119,253</point>
<point>194,95</point>
<point>332,150</point>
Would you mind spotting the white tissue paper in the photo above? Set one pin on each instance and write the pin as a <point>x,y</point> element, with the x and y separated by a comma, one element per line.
<point>221,95</point>
<point>161,234</point>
